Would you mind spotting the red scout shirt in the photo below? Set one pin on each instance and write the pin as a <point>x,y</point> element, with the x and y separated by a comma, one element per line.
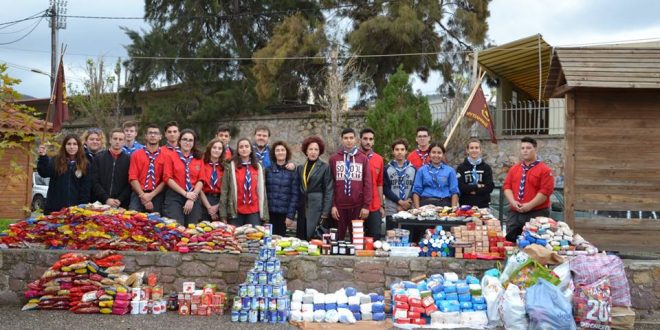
<point>415,158</point>
<point>245,208</point>
<point>207,170</point>
<point>376,168</point>
<point>539,179</point>
<point>176,170</point>
<point>140,166</point>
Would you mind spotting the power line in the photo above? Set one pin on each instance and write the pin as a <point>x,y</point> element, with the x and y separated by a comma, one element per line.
<point>25,35</point>
<point>43,13</point>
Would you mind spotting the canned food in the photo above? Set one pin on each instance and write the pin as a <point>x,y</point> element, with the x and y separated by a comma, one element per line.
<point>263,254</point>
<point>282,316</point>
<point>263,278</point>
<point>242,291</point>
<point>272,304</point>
<point>277,290</point>
<point>235,316</point>
<point>259,266</point>
<point>249,278</point>
<point>254,303</point>
<point>282,304</point>
<point>243,316</point>
<point>251,290</point>
<point>253,316</point>
<point>237,305</point>
<point>246,302</point>
<point>259,290</point>
<point>268,291</point>
<point>277,264</point>
<point>262,304</point>
<point>263,317</point>
<point>270,266</point>
<point>273,317</point>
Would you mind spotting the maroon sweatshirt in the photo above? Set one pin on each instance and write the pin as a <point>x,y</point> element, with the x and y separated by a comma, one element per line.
<point>360,181</point>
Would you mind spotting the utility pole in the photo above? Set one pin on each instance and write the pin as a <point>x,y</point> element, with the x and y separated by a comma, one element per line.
<point>57,21</point>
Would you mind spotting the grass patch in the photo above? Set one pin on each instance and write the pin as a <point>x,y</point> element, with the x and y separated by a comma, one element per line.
<point>4,223</point>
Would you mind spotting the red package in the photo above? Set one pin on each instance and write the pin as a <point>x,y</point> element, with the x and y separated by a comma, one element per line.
<point>414,315</point>
<point>401,297</point>
<point>403,320</point>
<point>419,321</point>
<point>431,309</point>
<point>415,302</point>
<point>401,305</point>
<point>417,309</point>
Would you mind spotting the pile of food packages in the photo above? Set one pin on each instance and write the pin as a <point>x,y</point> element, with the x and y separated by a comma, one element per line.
<point>463,213</point>
<point>346,305</point>
<point>555,236</point>
<point>263,297</point>
<point>95,284</point>
<point>200,302</point>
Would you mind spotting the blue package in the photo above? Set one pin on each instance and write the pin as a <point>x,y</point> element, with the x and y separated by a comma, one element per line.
<point>472,280</point>
<point>464,297</point>
<point>523,244</point>
<point>466,305</point>
<point>319,307</point>
<point>541,242</point>
<point>422,285</point>
<point>451,296</point>
<point>439,296</point>
<point>462,288</point>
<point>358,316</point>
<point>409,285</point>
<point>449,306</point>
<point>330,306</point>
<point>380,316</point>
<point>494,272</point>
<point>350,291</point>
<point>375,297</point>
<point>478,300</point>
<point>479,307</point>
<point>437,277</point>
<point>342,306</point>
<point>449,288</point>
<point>377,308</point>
<point>354,308</point>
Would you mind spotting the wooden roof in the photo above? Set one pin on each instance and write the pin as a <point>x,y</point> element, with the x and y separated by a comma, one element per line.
<point>520,62</point>
<point>613,66</point>
<point>14,120</point>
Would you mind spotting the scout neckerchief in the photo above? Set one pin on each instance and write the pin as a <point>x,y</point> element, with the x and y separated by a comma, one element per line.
<point>424,156</point>
<point>349,156</point>
<point>401,176</point>
<point>214,175</point>
<point>131,150</point>
<point>168,146</point>
<point>151,172</point>
<point>475,176</point>
<point>434,171</point>
<point>247,192</point>
<point>525,168</point>
<point>307,174</point>
<point>261,154</point>
<point>186,163</point>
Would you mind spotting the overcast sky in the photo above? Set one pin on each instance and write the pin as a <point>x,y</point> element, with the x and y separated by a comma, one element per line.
<point>561,22</point>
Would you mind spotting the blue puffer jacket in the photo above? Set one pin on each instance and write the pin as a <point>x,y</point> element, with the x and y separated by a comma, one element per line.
<point>282,187</point>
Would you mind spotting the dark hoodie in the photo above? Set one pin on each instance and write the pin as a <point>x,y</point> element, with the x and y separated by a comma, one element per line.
<point>361,187</point>
<point>466,186</point>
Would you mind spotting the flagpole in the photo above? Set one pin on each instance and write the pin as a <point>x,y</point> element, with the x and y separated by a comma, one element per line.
<point>52,94</point>
<point>465,108</point>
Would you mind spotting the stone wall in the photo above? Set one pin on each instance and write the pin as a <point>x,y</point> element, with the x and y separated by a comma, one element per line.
<point>327,274</point>
<point>505,153</point>
<point>20,267</point>
<point>293,128</point>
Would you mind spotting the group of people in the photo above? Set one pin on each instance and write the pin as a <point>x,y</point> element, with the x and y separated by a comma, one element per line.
<point>256,182</point>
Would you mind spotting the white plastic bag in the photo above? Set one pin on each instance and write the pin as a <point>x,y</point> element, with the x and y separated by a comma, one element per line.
<point>512,264</point>
<point>493,292</point>
<point>513,309</point>
<point>566,281</point>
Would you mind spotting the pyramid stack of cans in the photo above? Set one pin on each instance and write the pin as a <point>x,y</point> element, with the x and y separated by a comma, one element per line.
<point>263,297</point>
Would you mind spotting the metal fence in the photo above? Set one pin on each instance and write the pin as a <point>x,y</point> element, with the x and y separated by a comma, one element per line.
<point>530,118</point>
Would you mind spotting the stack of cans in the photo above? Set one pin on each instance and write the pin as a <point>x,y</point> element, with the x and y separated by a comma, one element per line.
<point>263,297</point>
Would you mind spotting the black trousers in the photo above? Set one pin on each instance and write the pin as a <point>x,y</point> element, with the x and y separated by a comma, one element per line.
<point>516,221</point>
<point>373,225</point>
<point>279,223</point>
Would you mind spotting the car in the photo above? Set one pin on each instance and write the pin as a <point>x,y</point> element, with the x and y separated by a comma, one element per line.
<point>39,191</point>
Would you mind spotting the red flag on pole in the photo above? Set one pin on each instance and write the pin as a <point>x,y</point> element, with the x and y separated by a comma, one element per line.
<point>478,110</point>
<point>58,99</point>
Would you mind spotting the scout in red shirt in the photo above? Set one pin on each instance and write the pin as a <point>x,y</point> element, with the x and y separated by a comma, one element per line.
<point>243,196</point>
<point>145,174</point>
<point>212,173</point>
<point>376,210</point>
<point>223,133</point>
<point>528,187</point>
<point>182,174</point>
<point>420,156</point>
<point>172,135</point>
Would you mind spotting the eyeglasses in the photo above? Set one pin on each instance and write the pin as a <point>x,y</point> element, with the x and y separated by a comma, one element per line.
<point>188,140</point>
<point>94,130</point>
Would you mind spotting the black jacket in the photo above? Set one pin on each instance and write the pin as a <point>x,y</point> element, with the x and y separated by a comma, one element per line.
<point>466,186</point>
<point>111,178</point>
<point>64,190</point>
